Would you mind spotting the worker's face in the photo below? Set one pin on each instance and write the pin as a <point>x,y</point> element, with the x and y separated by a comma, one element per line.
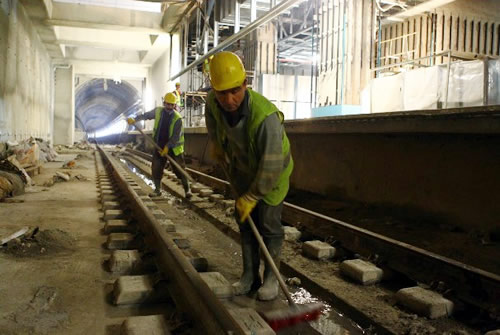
<point>178,87</point>
<point>230,100</point>
<point>168,106</point>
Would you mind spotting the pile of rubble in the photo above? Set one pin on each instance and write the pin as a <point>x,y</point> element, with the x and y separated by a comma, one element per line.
<point>15,158</point>
<point>82,145</point>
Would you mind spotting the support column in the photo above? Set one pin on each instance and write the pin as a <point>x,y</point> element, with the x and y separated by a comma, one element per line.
<point>64,106</point>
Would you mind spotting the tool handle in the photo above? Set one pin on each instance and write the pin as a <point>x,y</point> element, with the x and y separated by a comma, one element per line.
<point>263,247</point>
<point>170,159</point>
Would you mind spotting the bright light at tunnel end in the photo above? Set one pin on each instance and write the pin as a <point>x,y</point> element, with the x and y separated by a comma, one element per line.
<point>114,128</point>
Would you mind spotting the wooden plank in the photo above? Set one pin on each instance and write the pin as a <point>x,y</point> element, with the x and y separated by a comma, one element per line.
<point>468,34</point>
<point>439,36</point>
<point>340,48</point>
<point>367,44</point>
<point>482,37</point>
<point>455,27</point>
<point>417,40</point>
<point>358,44</point>
<point>424,38</point>
<point>496,40</point>
<point>461,34</point>
<point>411,39</point>
<point>489,38</point>
<point>446,32</point>
<point>335,50</point>
<point>350,48</point>
<point>476,40</point>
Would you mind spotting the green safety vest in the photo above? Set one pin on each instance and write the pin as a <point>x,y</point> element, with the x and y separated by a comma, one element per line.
<point>260,109</point>
<point>178,99</point>
<point>179,148</point>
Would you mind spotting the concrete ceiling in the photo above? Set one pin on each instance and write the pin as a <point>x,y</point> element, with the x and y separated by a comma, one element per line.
<point>105,31</point>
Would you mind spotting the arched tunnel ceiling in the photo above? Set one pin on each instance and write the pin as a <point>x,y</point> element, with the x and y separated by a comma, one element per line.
<point>100,101</point>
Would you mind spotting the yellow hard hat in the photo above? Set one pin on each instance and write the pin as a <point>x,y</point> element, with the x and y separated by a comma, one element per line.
<point>169,98</point>
<point>177,84</point>
<point>226,71</point>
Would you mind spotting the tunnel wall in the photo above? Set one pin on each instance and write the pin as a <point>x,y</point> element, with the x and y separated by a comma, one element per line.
<point>64,106</point>
<point>435,168</point>
<point>25,77</point>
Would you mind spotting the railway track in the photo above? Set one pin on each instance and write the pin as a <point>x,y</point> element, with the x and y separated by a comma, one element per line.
<point>464,283</point>
<point>155,253</point>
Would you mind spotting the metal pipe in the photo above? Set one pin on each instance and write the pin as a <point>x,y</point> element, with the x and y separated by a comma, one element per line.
<point>242,33</point>
<point>236,17</point>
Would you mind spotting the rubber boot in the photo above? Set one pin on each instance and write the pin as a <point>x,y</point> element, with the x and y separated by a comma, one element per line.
<point>187,191</point>
<point>251,261</point>
<point>270,289</point>
<point>157,191</point>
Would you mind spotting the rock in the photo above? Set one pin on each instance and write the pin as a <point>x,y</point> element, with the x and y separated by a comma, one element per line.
<point>63,176</point>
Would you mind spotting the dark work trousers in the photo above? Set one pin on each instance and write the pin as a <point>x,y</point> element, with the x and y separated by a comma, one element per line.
<point>158,165</point>
<point>267,219</point>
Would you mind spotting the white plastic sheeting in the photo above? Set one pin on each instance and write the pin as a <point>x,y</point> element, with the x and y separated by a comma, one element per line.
<point>425,88</point>
<point>494,82</point>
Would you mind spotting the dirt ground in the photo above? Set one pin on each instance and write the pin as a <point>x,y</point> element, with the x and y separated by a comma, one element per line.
<point>52,282</point>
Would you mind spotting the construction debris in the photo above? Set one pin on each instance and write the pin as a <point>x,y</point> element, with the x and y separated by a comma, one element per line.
<point>63,175</point>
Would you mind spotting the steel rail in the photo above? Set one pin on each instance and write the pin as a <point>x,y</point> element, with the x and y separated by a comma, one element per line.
<point>470,284</point>
<point>187,288</point>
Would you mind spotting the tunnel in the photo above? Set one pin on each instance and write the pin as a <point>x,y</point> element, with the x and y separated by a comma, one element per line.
<point>99,102</point>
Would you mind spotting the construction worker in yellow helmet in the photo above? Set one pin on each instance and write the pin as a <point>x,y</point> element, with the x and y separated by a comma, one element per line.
<point>248,138</point>
<point>178,95</point>
<point>168,133</point>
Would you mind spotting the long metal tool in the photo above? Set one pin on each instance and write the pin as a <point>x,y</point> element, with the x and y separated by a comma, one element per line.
<point>170,159</point>
<point>295,313</point>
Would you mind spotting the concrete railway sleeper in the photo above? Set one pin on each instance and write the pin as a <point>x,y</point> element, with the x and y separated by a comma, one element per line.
<point>470,286</point>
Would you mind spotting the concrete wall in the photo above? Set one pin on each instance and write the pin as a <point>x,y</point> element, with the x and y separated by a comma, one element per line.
<point>25,77</point>
<point>435,167</point>
<point>64,106</point>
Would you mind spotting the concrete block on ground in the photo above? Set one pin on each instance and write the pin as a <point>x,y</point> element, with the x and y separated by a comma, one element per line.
<point>105,184</point>
<point>206,192</point>
<point>144,198</point>
<point>108,197</point>
<point>140,325</point>
<point>159,214</point>
<point>361,271</point>
<point>168,225</point>
<point>199,262</point>
<point>129,290</point>
<point>218,284</point>
<point>149,204</point>
<point>493,332</point>
<point>250,321</point>
<point>111,205</point>
<point>425,302</point>
<point>291,233</point>
<point>182,243</point>
<point>118,226</point>
<point>106,188</point>
<point>195,188</point>
<point>124,261</point>
<point>112,214</point>
<point>318,250</point>
<point>107,192</point>
<point>124,241</point>
<point>227,203</point>
<point>216,197</point>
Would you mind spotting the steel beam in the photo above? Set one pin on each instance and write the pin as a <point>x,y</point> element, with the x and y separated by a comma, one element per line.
<point>245,31</point>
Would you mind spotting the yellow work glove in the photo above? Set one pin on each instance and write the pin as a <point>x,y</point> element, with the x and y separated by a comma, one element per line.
<point>244,205</point>
<point>164,152</point>
<point>131,121</point>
